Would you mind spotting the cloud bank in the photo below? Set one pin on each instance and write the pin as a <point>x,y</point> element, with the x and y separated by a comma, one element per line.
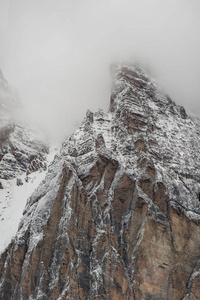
<point>57,53</point>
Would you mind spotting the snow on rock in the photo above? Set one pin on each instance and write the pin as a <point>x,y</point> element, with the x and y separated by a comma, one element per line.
<point>117,215</point>
<point>21,150</point>
<point>12,202</point>
<point>23,162</point>
<point>13,199</point>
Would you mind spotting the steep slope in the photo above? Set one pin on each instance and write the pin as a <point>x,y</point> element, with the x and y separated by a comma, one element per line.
<point>117,216</point>
<point>22,153</point>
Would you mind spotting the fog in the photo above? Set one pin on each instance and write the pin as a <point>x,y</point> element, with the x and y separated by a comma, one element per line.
<point>57,53</point>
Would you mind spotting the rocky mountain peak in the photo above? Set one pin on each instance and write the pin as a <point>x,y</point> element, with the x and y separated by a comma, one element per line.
<point>133,87</point>
<point>118,214</point>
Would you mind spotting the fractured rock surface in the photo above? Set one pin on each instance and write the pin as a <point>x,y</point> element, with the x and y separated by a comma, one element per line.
<point>118,214</point>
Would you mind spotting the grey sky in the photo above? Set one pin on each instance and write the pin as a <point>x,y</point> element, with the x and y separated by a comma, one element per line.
<point>57,53</point>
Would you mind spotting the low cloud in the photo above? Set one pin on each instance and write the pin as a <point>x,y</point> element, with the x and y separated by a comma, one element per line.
<point>57,53</point>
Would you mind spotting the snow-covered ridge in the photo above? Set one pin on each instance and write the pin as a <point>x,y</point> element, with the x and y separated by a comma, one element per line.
<point>145,123</point>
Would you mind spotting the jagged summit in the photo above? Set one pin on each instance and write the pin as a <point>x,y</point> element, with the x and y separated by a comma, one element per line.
<point>117,216</point>
<point>134,86</point>
<point>144,122</point>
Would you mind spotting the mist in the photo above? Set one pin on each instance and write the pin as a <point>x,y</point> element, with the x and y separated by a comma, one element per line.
<point>57,53</point>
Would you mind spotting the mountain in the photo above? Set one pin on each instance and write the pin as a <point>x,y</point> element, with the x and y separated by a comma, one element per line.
<point>21,150</point>
<point>23,157</point>
<point>117,215</point>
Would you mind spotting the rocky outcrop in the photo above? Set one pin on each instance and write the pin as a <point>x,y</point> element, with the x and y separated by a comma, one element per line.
<point>20,151</point>
<point>117,216</point>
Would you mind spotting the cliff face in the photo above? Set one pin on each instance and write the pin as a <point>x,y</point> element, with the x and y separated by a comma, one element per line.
<point>117,216</point>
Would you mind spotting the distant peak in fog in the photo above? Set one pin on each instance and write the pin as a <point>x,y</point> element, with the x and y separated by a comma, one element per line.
<point>57,53</point>
<point>9,102</point>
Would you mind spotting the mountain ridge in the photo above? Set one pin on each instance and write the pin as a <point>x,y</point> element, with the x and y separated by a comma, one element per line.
<point>117,216</point>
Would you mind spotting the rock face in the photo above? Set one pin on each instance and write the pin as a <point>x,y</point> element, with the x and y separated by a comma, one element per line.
<point>20,151</point>
<point>20,148</point>
<point>117,216</point>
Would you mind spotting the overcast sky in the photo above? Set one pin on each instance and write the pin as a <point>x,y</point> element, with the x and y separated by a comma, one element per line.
<point>57,53</point>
